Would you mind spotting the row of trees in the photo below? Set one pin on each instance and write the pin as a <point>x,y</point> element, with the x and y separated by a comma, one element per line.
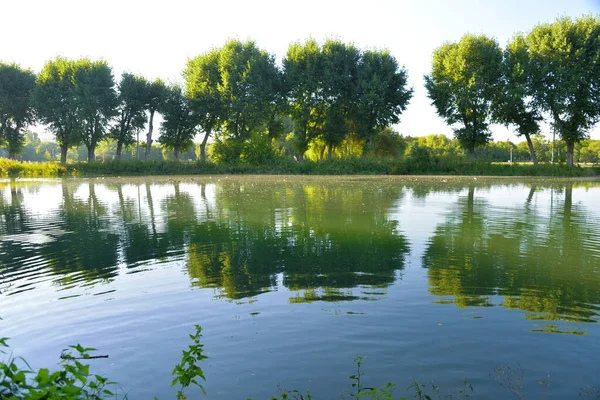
<point>552,71</point>
<point>330,92</point>
<point>79,102</point>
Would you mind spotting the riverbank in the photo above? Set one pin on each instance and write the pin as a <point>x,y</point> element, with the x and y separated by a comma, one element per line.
<point>356,166</point>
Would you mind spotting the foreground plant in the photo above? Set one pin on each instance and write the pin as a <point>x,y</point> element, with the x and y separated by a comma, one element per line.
<point>187,372</point>
<point>72,381</point>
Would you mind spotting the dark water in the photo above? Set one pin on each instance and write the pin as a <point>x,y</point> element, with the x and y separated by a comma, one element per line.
<point>290,278</point>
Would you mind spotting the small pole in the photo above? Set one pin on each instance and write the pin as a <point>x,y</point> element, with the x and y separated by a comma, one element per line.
<point>553,138</point>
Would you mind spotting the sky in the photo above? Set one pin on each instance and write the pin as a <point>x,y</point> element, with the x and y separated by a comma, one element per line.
<point>155,39</point>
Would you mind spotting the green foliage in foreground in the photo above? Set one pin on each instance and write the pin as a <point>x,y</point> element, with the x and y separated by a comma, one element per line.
<point>417,162</point>
<point>74,381</point>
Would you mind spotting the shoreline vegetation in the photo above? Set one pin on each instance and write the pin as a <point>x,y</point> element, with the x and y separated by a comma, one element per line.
<point>356,166</point>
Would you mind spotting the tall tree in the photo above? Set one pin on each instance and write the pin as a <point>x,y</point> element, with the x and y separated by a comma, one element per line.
<point>340,87</point>
<point>463,84</point>
<point>179,121</point>
<point>95,93</point>
<point>16,106</point>
<point>303,74</point>
<point>155,96</point>
<point>565,74</point>
<point>203,81</point>
<point>383,94</point>
<point>249,77</point>
<point>56,103</point>
<point>131,111</point>
<point>514,105</point>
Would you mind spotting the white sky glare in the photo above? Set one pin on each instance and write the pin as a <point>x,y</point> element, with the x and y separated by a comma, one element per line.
<point>155,39</point>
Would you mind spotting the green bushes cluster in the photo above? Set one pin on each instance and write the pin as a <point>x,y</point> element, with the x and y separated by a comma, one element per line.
<point>32,169</point>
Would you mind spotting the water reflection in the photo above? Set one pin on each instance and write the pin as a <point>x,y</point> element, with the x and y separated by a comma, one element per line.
<point>319,240</point>
<point>328,242</point>
<point>539,259</point>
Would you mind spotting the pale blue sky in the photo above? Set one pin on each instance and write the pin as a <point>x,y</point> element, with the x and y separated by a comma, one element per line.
<point>156,38</point>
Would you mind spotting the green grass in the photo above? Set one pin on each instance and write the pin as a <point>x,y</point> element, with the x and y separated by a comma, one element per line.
<point>353,166</point>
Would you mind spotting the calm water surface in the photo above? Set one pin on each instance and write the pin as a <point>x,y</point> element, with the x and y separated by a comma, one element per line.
<point>290,278</point>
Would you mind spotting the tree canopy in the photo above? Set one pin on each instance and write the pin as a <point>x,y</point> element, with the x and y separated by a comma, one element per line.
<point>57,104</point>
<point>131,111</point>
<point>203,82</point>
<point>565,75</point>
<point>179,121</point>
<point>463,84</point>
<point>16,106</point>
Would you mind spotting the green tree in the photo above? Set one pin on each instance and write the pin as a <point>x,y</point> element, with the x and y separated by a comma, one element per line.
<point>514,105</point>
<point>131,117</point>
<point>565,58</point>
<point>340,87</point>
<point>156,93</point>
<point>16,107</point>
<point>30,148</point>
<point>56,102</point>
<point>97,101</point>
<point>463,83</point>
<point>249,82</point>
<point>383,94</point>
<point>303,75</point>
<point>203,81</point>
<point>591,152</point>
<point>179,122</point>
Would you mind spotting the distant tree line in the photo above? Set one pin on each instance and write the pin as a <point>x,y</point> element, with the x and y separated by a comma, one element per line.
<point>388,145</point>
<point>325,100</point>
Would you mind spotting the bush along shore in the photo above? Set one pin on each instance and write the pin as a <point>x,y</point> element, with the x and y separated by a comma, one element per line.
<point>73,380</point>
<point>353,166</point>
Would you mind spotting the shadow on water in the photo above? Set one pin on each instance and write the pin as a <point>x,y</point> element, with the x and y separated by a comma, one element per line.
<point>542,260</point>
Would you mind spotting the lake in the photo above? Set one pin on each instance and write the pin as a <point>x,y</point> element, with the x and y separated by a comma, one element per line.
<point>292,277</point>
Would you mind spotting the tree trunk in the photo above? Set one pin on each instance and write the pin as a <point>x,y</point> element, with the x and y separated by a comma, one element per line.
<point>12,154</point>
<point>348,144</point>
<point>471,151</point>
<point>366,148</point>
<point>531,149</point>
<point>203,145</point>
<point>299,157</point>
<point>149,135</point>
<point>91,153</point>
<point>176,151</point>
<point>119,150</point>
<point>63,153</point>
<point>570,148</point>
<point>329,151</point>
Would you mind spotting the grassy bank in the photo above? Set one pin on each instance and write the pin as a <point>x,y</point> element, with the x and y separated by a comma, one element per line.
<point>356,166</point>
